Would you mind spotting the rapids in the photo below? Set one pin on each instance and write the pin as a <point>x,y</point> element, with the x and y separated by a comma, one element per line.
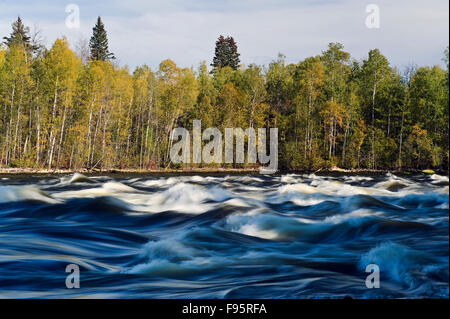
<point>224,236</point>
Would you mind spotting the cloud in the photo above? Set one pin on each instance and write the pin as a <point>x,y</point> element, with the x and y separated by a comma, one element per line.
<point>185,31</point>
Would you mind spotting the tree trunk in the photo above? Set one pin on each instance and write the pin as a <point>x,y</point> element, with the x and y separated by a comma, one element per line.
<point>400,143</point>
<point>373,122</point>
<point>62,131</point>
<point>52,139</point>
<point>90,131</point>
<point>345,141</point>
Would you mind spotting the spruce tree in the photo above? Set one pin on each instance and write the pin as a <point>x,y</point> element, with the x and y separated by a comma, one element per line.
<point>20,36</point>
<point>226,53</point>
<point>99,43</point>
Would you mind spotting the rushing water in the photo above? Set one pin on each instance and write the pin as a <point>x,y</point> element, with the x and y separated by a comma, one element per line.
<point>284,236</point>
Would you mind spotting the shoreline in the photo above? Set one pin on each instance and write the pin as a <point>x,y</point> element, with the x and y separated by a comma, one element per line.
<point>33,171</point>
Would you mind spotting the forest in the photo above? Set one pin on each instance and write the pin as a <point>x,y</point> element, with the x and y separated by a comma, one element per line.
<point>78,109</point>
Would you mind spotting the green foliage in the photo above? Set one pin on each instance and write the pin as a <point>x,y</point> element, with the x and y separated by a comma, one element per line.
<point>419,148</point>
<point>226,54</point>
<point>20,36</point>
<point>99,43</point>
<point>56,111</point>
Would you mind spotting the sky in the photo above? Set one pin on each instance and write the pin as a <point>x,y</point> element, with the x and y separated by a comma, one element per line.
<point>147,32</point>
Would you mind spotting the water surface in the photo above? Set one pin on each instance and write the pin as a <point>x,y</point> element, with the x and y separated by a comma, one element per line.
<point>281,236</point>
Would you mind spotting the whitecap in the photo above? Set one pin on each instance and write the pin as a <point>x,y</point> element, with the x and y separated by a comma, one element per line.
<point>187,198</point>
<point>24,193</point>
<point>354,218</point>
<point>107,189</point>
<point>289,178</point>
<point>172,258</point>
<point>299,187</point>
<point>397,261</point>
<point>439,179</point>
<point>76,178</point>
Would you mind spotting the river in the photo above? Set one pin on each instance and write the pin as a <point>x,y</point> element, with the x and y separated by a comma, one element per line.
<point>224,236</point>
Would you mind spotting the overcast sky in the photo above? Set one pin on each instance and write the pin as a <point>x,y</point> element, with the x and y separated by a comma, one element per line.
<point>413,31</point>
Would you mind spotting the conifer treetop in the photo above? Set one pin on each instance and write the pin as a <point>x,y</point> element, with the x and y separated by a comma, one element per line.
<point>20,36</point>
<point>226,53</point>
<point>99,43</point>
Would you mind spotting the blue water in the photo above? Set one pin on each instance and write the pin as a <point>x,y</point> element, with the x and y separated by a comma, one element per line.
<point>281,236</point>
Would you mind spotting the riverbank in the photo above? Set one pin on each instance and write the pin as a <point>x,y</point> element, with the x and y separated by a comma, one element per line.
<point>20,171</point>
<point>335,170</point>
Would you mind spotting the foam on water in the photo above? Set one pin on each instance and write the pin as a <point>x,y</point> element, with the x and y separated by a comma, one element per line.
<point>439,178</point>
<point>401,263</point>
<point>24,193</point>
<point>354,217</point>
<point>186,198</point>
<point>280,236</point>
<point>300,188</point>
<point>107,189</point>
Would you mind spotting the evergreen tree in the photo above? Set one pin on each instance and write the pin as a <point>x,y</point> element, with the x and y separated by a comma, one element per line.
<point>226,53</point>
<point>99,43</point>
<point>58,112</point>
<point>20,36</point>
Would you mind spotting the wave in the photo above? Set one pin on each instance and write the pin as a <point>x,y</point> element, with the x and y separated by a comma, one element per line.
<point>347,226</point>
<point>171,258</point>
<point>425,200</point>
<point>78,178</point>
<point>299,188</point>
<point>290,178</point>
<point>358,178</point>
<point>24,193</point>
<point>402,264</point>
<point>439,179</point>
<point>107,189</point>
<point>361,201</point>
<point>392,185</point>
<point>224,236</point>
<point>182,197</point>
<point>187,198</point>
<point>340,188</point>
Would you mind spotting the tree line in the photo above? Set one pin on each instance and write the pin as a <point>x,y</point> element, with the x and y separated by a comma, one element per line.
<point>65,109</point>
